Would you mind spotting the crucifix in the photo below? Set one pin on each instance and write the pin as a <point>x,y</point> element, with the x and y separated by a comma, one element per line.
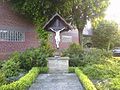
<point>57,36</point>
<point>57,27</point>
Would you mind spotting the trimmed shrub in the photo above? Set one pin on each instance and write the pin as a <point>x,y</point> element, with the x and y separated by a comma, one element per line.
<point>24,82</point>
<point>72,69</point>
<point>88,85</point>
<point>43,69</point>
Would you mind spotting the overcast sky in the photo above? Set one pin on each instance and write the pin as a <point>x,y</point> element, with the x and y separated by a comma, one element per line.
<point>113,11</point>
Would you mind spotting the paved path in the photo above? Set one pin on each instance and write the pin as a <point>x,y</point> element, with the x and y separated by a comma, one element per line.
<point>57,82</point>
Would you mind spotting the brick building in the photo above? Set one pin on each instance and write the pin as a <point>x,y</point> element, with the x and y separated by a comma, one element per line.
<point>18,34</point>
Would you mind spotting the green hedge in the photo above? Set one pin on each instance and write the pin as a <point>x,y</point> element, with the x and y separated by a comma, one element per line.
<point>24,82</point>
<point>72,69</point>
<point>43,69</point>
<point>88,85</point>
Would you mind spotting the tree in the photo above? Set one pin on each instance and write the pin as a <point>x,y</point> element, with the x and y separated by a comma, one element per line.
<point>105,35</point>
<point>84,10</point>
<point>75,11</point>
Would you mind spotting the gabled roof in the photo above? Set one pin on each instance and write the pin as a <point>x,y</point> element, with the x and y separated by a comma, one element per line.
<point>52,20</point>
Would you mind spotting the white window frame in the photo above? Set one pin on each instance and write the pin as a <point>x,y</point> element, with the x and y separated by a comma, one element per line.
<point>12,36</point>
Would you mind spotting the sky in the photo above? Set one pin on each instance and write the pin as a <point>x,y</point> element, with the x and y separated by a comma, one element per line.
<point>113,11</point>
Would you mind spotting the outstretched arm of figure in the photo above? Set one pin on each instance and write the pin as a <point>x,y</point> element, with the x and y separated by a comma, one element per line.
<point>62,29</point>
<point>52,29</point>
<point>59,30</point>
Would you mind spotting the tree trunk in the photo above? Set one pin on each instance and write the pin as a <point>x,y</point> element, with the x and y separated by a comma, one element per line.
<point>80,37</point>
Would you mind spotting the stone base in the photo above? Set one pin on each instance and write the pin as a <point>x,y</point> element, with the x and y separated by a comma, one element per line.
<point>58,64</point>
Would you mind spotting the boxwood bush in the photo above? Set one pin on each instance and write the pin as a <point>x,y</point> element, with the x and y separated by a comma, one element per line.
<point>43,69</point>
<point>72,69</point>
<point>88,85</point>
<point>24,82</point>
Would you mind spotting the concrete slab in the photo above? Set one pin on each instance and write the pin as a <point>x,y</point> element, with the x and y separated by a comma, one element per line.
<point>57,82</point>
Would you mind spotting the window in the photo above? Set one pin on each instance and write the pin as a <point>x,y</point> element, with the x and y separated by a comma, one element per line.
<point>7,35</point>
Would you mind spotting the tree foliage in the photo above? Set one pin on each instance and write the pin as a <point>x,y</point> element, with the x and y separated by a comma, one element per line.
<point>41,9</point>
<point>105,35</point>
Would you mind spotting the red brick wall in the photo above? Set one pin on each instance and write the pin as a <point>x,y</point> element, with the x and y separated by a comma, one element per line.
<point>10,20</point>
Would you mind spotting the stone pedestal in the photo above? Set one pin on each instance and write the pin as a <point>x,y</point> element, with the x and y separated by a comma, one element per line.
<point>58,64</point>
